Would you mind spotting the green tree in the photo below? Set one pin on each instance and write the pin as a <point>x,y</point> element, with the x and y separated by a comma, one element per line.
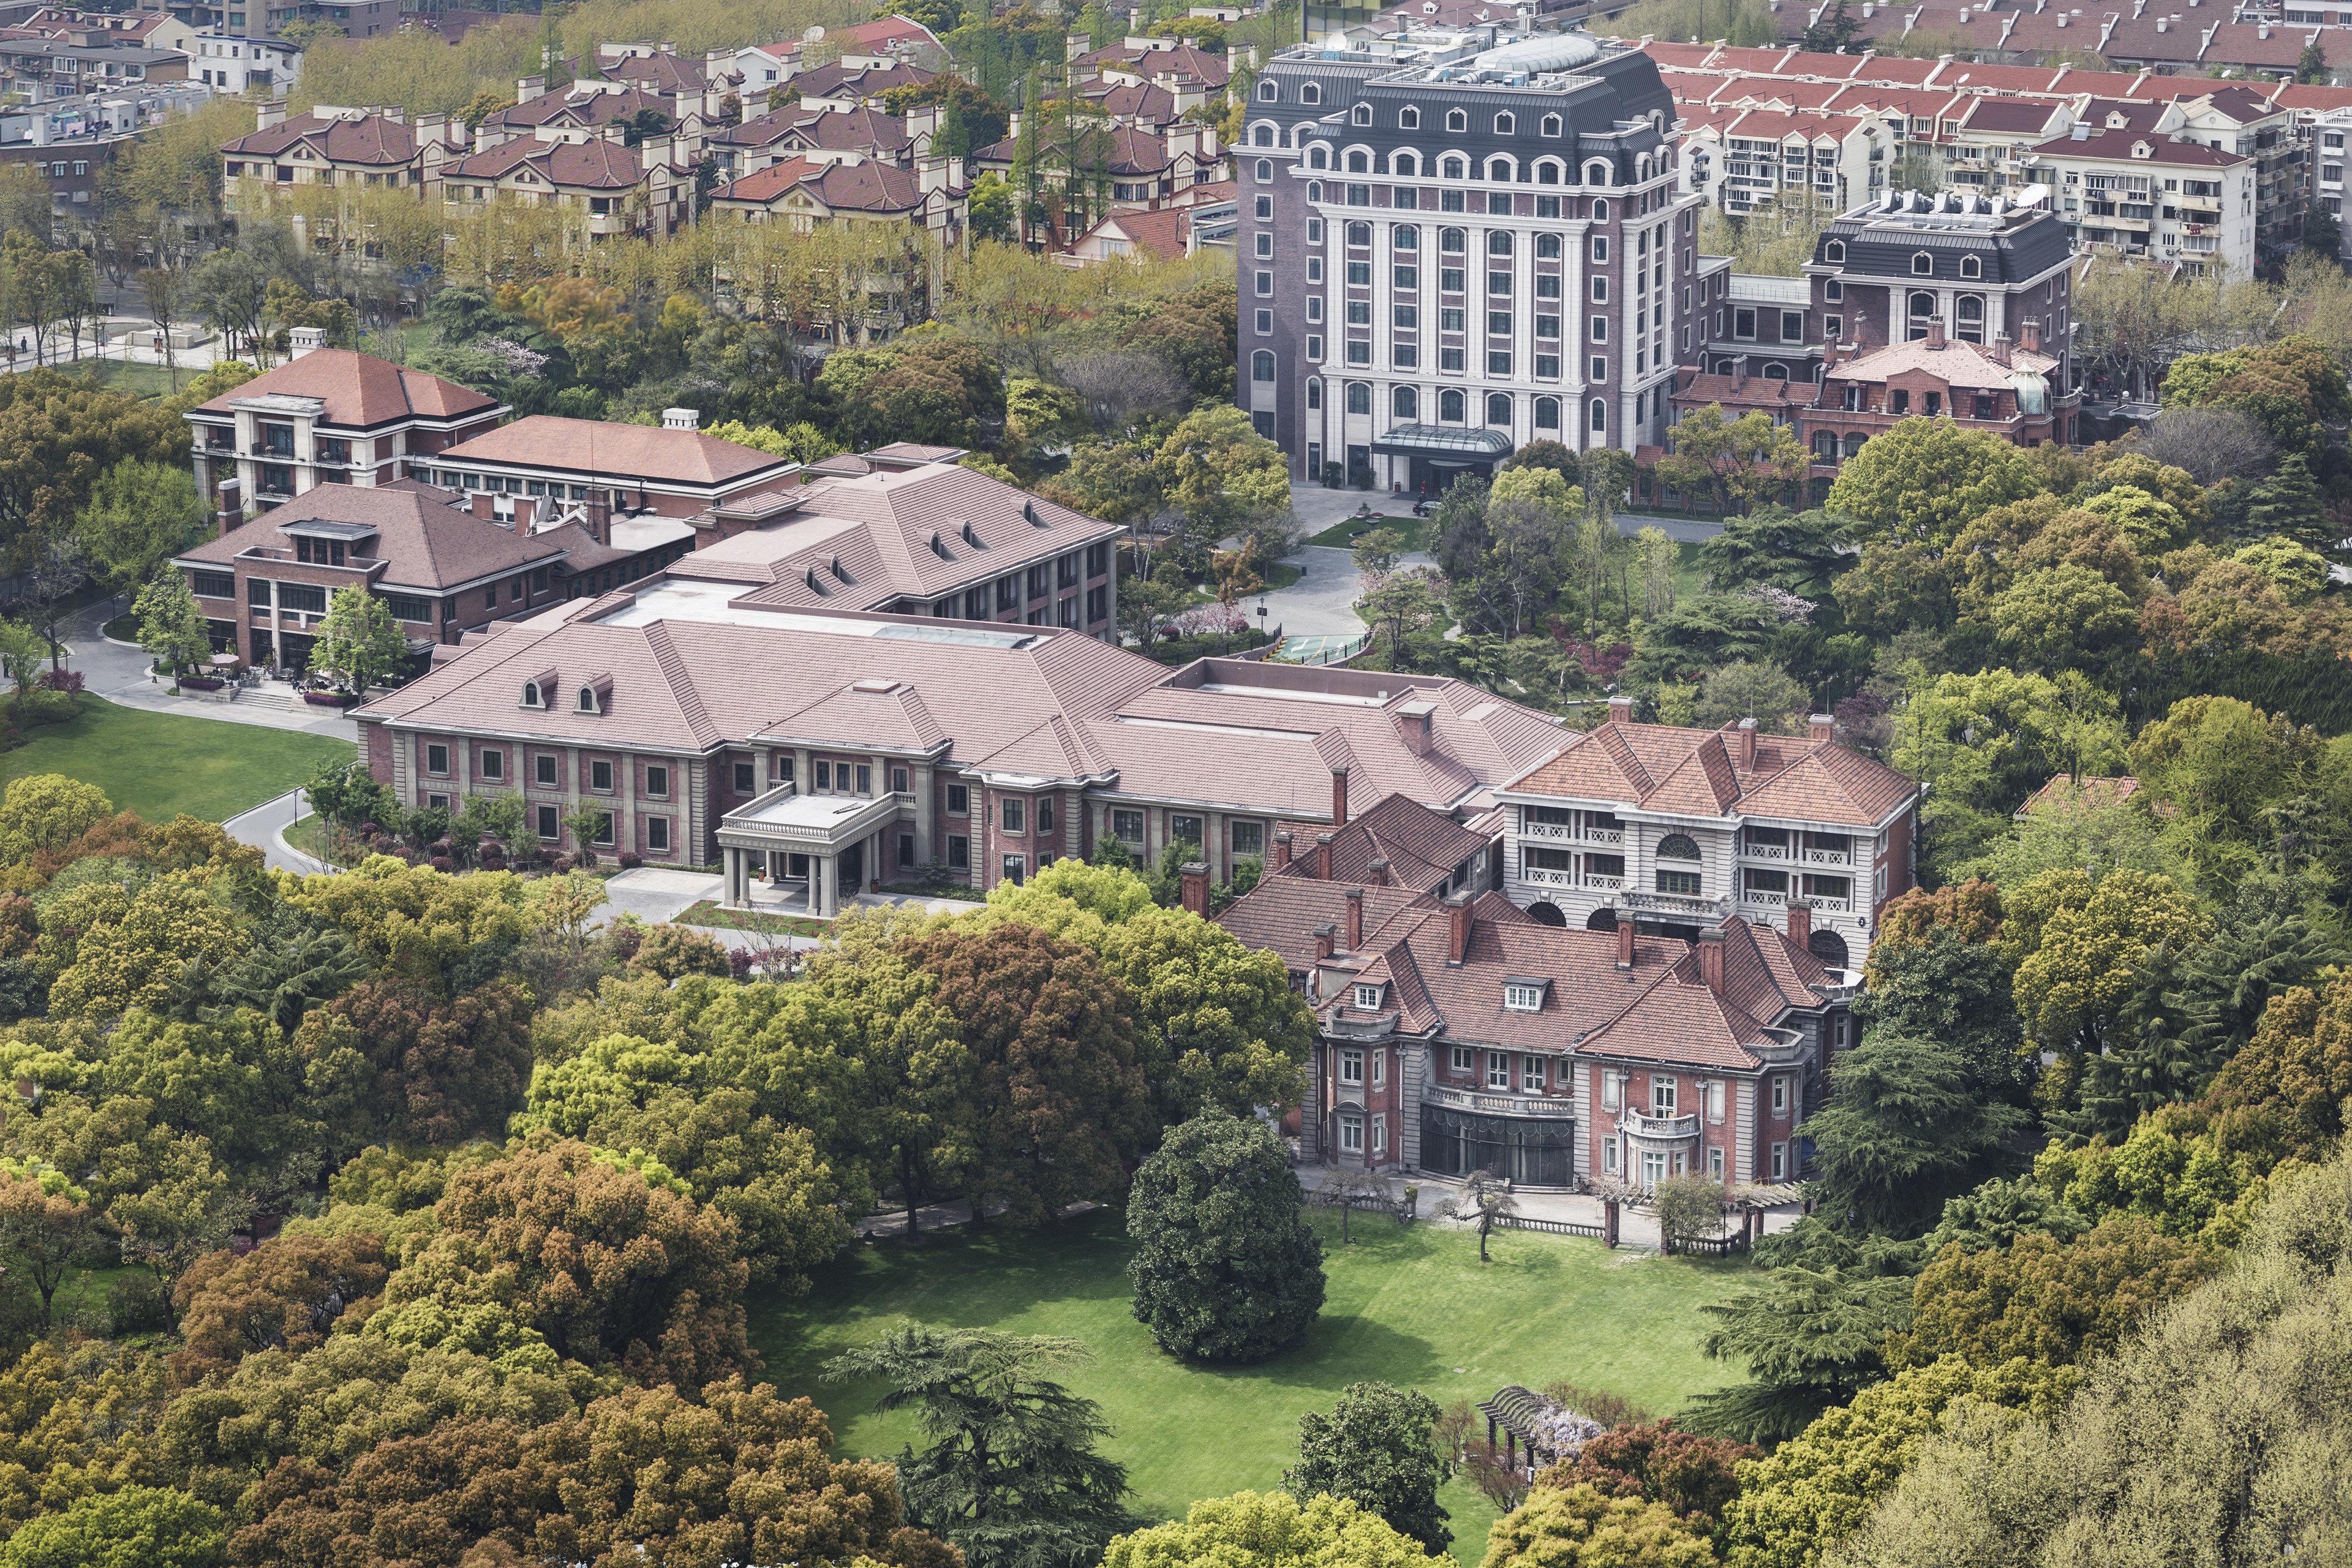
<point>1928,478</point>
<point>170,627</point>
<point>2051,1301</point>
<point>1378,1449</point>
<point>1692,1476</point>
<point>2288,504</point>
<point>1744,689</point>
<point>1953,986</point>
<point>42,814</point>
<point>1811,1337</point>
<point>1221,473</point>
<point>2063,618</point>
<point>47,1227</point>
<point>1801,551</point>
<point>1688,1208</point>
<point>138,1527</point>
<point>1734,463</point>
<point>1225,1266</point>
<point>1905,1129</point>
<point>1581,1527</point>
<point>2082,944</point>
<point>1269,1530</point>
<point>359,642</point>
<point>1009,1474</point>
<point>139,516</point>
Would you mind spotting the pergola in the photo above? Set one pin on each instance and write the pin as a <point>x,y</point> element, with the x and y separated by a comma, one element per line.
<point>784,823</point>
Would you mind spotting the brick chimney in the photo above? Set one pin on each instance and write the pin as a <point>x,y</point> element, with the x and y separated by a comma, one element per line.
<point>1413,723</point>
<point>231,512</point>
<point>1282,849</point>
<point>1324,935</point>
<point>596,521</point>
<point>1379,873</point>
<point>1710,958</point>
<point>1621,710</point>
<point>526,510</point>
<point>2028,336</point>
<point>1935,334</point>
<point>1457,928</point>
<point>1323,856</point>
<point>1195,884</point>
<point>479,505</point>
<point>1800,925</point>
<point>1820,727</point>
<point>1339,801</point>
<point>1743,744</point>
<point>1355,910</point>
<point>1624,944</point>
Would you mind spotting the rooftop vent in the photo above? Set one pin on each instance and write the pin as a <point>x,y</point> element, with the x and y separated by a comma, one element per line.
<point>1036,520</point>
<point>875,685</point>
<point>972,537</point>
<point>681,419</point>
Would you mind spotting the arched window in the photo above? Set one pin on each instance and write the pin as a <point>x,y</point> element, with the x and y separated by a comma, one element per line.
<point>1450,240</point>
<point>1308,92</point>
<point>1506,124</point>
<point>1853,445</point>
<point>1547,247</point>
<point>1776,371</point>
<point>1971,318</point>
<point>1358,161</point>
<point>1406,163</point>
<point>1600,211</point>
<point>1269,91</point>
<point>1408,119</point>
<point>1550,125</point>
<point>1314,392</point>
<point>1971,266</point>
<point>530,696</point>
<point>1677,847</point>
<point>1406,237</point>
<point>1834,252</point>
<point>1318,157</point>
<point>1596,172</point>
<point>1547,413</point>
<point>1359,236</point>
<point>1261,135</point>
<point>1498,242</point>
<point>1502,171</point>
<point>1922,265</point>
<point>1361,114</point>
<point>1451,407</point>
<point>1548,171</point>
<point>1825,445</point>
<point>1314,192</point>
<point>1405,403</point>
<point>1455,168</point>
<point>1360,398</point>
<point>1498,409</point>
<point>587,701</point>
<point>1641,169</point>
<point>1827,946</point>
<point>1266,171</point>
<point>1457,119</point>
<point>1262,365</point>
<point>1597,416</point>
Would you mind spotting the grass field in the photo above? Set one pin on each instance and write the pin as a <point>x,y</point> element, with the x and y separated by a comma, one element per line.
<point>711,912</point>
<point>159,764</point>
<point>1342,535</point>
<point>1407,1305</point>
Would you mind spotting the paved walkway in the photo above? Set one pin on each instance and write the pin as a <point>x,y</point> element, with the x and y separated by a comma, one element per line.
<point>1636,1227</point>
<point>120,674</point>
<point>265,829</point>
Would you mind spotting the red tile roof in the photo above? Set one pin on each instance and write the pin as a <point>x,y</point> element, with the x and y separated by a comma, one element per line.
<point>617,451</point>
<point>597,165</point>
<point>1664,768</point>
<point>1422,847</point>
<point>426,543</point>
<point>359,390</point>
<point>372,138</point>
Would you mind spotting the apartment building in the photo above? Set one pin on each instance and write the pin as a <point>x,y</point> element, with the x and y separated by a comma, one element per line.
<point>327,417</point>
<point>1672,831</point>
<point>619,192</point>
<point>2148,195</point>
<point>235,65</point>
<point>807,195</point>
<point>332,145</point>
<point>1542,170</point>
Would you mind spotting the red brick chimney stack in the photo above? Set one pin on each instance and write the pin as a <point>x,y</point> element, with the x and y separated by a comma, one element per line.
<point>2028,336</point>
<point>1624,943</point>
<point>1414,720</point>
<point>1282,849</point>
<point>1326,936</point>
<point>1379,873</point>
<point>1621,710</point>
<point>1820,727</point>
<point>1935,334</point>
<point>1743,745</point>
<point>231,515</point>
<point>1323,856</point>
<point>1195,884</point>
<point>1355,902</point>
<point>1339,800</point>
<point>1457,928</point>
<point>1800,925</point>
<point>1710,958</point>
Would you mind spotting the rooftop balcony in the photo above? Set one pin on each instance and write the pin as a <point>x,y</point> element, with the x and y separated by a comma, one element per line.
<point>1664,1128</point>
<point>1551,1106</point>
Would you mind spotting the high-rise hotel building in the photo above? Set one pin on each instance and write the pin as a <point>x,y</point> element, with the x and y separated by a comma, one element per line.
<point>1454,242</point>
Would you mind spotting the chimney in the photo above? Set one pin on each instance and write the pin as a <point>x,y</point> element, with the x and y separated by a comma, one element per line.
<point>596,521</point>
<point>681,419</point>
<point>1820,727</point>
<point>526,510</point>
<point>1621,710</point>
<point>1457,928</point>
<point>269,112</point>
<point>1355,903</point>
<point>479,506</point>
<point>1324,935</point>
<point>1379,873</point>
<point>1800,925</point>
<point>1282,849</point>
<point>232,505</point>
<point>1935,334</point>
<point>1323,856</point>
<point>1624,944</point>
<point>2028,336</point>
<point>1710,958</point>
<point>1339,801</point>
<point>1413,720</point>
<point>530,87</point>
<point>1743,745</point>
<point>1195,884</point>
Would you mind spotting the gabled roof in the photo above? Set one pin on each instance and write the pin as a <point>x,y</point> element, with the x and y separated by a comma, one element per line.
<point>621,452</point>
<point>582,106</point>
<point>1422,846</point>
<point>882,713</point>
<point>359,390</point>
<point>597,165</point>
<point>1962,366</point>
<point>1281,915</point>
<point>373,139</point>
<point>861,129</point>
<point>859,81</point>
<point>2141,147</point>
<point>1693,772</point>
<point>425,543</point>
<point>662,73</point>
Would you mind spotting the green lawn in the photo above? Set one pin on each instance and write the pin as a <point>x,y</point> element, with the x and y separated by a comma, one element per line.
<point>159,764</point>
<point>1407,1305</point>
<point>1342,535</point>
<point>711,912</point>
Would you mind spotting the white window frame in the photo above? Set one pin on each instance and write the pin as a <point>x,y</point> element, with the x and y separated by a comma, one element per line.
<point>1779,1094</point>
<point>1351,1135</point>
<point>1379,1069</point>
<point>1532,1075</point>
<point>1379,1136</point>
<point>1715,1097</point>
<point>1613,1089</point>
<point>1779,1162</point>
<point>1498,1071</point>
<point>1459,1060</point>
<point>1368,998</point>
<point>1351,1068</point>
<point>1523,998</point>
<point>1664,1094</point>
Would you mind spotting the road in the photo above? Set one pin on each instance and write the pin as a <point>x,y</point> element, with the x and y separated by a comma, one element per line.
<point>264,827</point>
<point>120,674</point>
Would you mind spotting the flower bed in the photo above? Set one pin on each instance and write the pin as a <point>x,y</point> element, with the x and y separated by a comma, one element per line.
<point>330,699</point>
<point>200,683</point>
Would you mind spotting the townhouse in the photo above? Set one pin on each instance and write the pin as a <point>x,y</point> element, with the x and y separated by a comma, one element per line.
<point>821,135</point>
<point>330,145</point>
<point>805,195</point>
<point>620,192</point>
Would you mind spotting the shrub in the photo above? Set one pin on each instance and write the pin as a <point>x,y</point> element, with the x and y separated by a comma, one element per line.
<point>1226,1268</point>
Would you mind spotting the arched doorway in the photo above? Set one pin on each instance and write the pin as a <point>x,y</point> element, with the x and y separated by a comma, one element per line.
<point>1828,947</point>
<point>1601,920</point>
<point>1547,913</point>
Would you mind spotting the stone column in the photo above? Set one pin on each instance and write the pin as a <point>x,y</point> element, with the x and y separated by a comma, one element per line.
<point>731,877</point>
<point>926,787</point>
<point>1413,1074</point>
<point>824,873</point>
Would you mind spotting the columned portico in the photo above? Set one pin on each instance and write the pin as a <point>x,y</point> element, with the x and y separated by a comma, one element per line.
<point>783,825</point>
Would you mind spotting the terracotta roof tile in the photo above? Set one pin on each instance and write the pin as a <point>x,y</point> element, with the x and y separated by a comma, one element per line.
<point>426,543</point>
<point>360,390</point>
<point>622,451</point>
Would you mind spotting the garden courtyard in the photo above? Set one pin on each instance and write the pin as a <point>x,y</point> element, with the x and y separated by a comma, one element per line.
<point>1408,1305</point>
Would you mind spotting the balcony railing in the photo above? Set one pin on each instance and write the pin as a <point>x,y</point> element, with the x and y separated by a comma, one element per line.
<point>1772,852</point>
<point>1554,1106</point>
<point>1566,833</point>
<point>1642,1126</point>
<point>1763,898</point>
<point>1606,884</point>
<point>1827,858</point>
<point>1678,903</point>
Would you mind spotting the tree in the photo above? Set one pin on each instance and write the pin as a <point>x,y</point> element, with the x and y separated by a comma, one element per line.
<point>2288,504</point>
<point>2051,1301</point>
<point>171,626</point>
<point>1483,1202</point>
<point>139,515</point>
<point>2063,618</point>
<point>1812,1338</point>
<point>287,1294</point>
<point>42,813</point>
<point>1692,1476</point>
<point>1925,480</point>
<point>1582,1528</point>
<point>1221,473</point>
<point>1377,1449</point>
<point>164,289</point>
<point>1905,1129</point>
<point>1734,462</point>
<point>1269,1530</point>
<point>229,289</point>
<point>1226,1268</point>
<point>1801,551</point>
<point>604,1264</point>
<point>359,641</point>
<point>47,1227</point>
<point>2293,388</point>
<point>1747,689</point>
<point>138,1527</point>
<point>1009,1476</point>
<point>1403,608</point>
<point>2081,945</point>
<point>1950,984</point>
<point>177,1205</point>
<point>1688,1208</point>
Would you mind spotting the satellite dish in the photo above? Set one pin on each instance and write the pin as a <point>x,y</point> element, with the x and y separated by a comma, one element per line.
<point>812,35</point>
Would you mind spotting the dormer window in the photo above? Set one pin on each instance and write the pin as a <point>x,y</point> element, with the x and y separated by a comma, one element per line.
<point>1922,265</point>
<point>1834,251</point>
<point>1457,119</point>
<point>1971,266</point>
<point>588,703</point>
<point>1504,124</point>
<point>972,537</point>
<point>939,549</point>
<point>1361,114</point>
<point>1308,92</point>
<point>1523,997</point>
<point>1408,119</point>
<point>1368,998</point>
<point>533,696</point>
